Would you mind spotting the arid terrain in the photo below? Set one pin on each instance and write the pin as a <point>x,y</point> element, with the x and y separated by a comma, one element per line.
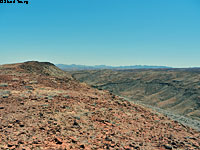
<point>175,90</point>
<point>44,108</point>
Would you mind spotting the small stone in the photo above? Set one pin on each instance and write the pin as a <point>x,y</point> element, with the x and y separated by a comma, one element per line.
<point>5,96</point>
<point>41,114</point>
<point>167,146</point>
<point>9,145</point>
<point>75,124</point>
<point>136,147</point>
<point>73,141</point>
<point>20,142</point>
<point>82,146</point>
<point>21,125</point>
<point>108,139</point>
<point>58,141</point>
<point>131,145</point>
<point>41,128</point>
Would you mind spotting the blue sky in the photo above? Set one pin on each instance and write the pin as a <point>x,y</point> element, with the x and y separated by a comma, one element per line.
<point>94,32</point>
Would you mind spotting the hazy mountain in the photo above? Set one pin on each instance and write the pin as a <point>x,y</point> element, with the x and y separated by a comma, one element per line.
<point>97,67</point>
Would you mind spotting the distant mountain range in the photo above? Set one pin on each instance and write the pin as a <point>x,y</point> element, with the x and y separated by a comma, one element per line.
<point>99,67</point>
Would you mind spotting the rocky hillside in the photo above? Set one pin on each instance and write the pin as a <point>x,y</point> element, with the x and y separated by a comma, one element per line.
<point>42,107</point>
<point>176,90</point>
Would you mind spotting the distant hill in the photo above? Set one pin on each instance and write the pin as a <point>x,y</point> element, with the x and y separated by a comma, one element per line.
<point>175,90</point>
<point>99,67</point>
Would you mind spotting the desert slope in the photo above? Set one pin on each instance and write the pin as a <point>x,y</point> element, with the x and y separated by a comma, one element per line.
<point>176,90</point>
<point>43,107</point>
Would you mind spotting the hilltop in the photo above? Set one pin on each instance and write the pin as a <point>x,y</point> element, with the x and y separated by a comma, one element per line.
<point>43,107</point>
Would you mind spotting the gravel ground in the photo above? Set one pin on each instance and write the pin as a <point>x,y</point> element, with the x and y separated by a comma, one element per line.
<point>195,124</point>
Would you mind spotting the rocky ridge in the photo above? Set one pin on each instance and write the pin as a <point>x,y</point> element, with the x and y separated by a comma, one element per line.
<point>43,107</point>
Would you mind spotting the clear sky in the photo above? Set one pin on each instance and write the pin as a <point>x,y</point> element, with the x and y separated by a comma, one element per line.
<point>109,32</point>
